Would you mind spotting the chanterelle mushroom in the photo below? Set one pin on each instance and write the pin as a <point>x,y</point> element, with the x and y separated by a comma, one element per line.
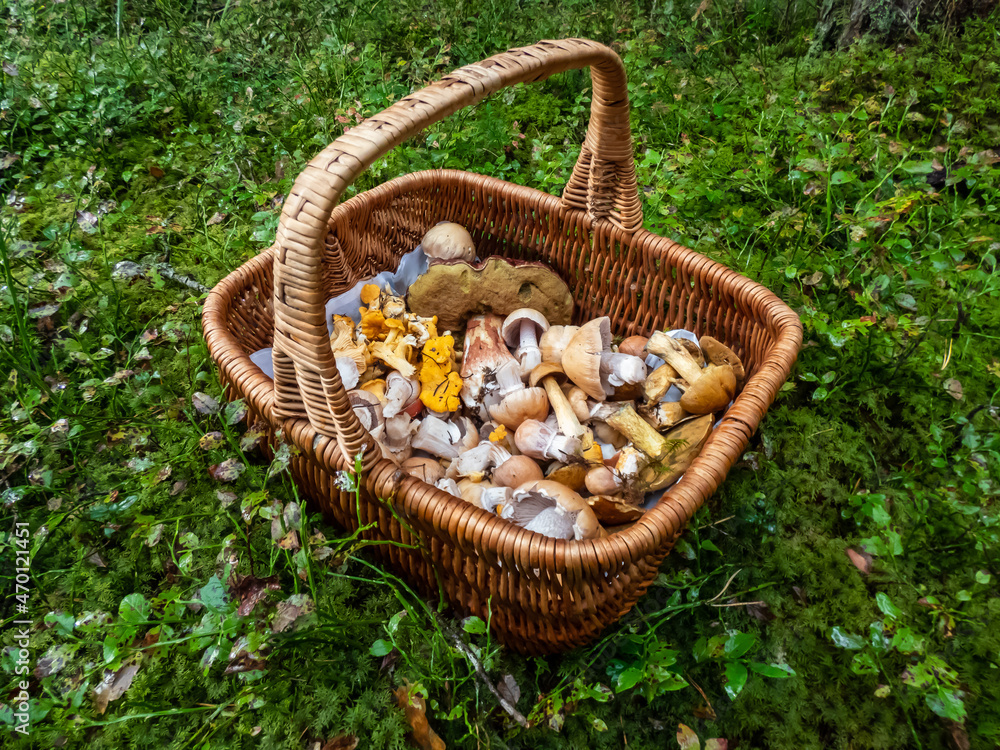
<point>448,241</point>
<point>440,384</point>
<point>521,330</point>
<point>590,363</point>
<point>551,509</point>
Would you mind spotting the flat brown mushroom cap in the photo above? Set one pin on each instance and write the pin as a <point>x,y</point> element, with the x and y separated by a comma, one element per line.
<point>634,345</point>
<point>517,470</point>
<point>544,370</point>
<point>711,392</point>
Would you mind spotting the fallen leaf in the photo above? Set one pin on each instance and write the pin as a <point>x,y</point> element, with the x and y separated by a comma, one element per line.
<point>156,172</point>
<point>415,708</point>
<point>341,742</point>
<point>228,471</point>
<point>11,69</point>
<point>253,438</point>
<point>813,279</point>
<point>8,159</point>
<point>861,560</point>
<point>701,9</point>
<point>178,487</point>
<point>716,743</point>
<point>87,222</point>
<point>148,335</point>
<point>686,738</point>
<point>290,541</point>
<point>211,440</point>
<point>290,610</point>
<point>959,737</point>
<point>509,689</point>
<point>114,686</point>
<point>163,474</point>
<point>243,659</point>
<point>225,498</point>
<point>953,388</point>
<point>249,590</point>
<point>760,612</point>
<point>204,404</point>
<point>126,269</point>
<point>118,377</point>
<point>217,218</point>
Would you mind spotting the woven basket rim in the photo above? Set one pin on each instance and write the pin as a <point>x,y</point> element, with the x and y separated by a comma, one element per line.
<point>697,483</point>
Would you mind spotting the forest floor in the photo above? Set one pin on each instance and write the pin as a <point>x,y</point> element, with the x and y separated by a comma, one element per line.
<point>838,591</point>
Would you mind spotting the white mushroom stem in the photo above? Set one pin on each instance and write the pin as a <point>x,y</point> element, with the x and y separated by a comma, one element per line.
<point>508,377</point>
<point>620,369</point>
<point>528,353</point>
<point>400,392</point>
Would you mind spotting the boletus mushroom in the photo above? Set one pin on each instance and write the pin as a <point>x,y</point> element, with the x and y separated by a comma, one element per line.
<point>653,461</point>
<point>551,509</point>
<point>448,241</point>
<point>706,389</point>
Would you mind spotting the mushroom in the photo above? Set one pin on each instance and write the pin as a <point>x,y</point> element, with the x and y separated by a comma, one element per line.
<point>538,440</point>
<point>573,475</point>
<point>448,241</point>
<point>440,384</point>
<point>526,403</point>
<point>578,401</point>
<point>550,375</point>
<point>425,469</point>
<point>446,438</point>
<point>376,387</point>
<point>603,480</point>
<point>395,350</point>
<point>711,392</point>
<point>664,415</point>
<point>472,491</point>
<point>708,389</point>
<point>368,409</point>
<point>551,509</point>
<point>633,345</point>
<point>658,383</point>
<point>589,362</point>
<point>498,434</point>
<point>400,392</point>
<point>613,510</point>
<point>348,371</point>
<point>475,462</point>
<point>718,353</point>
<point>653,461</point>
<point>397,445</point>
<point>517,470</point>
<point>343,344</point>
<point>554,342</point>
<point>449,486</point>
<point>487,365</point>
<point>521,330</point>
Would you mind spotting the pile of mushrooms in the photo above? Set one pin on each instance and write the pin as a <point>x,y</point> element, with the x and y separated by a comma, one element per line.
<point>551,427</point>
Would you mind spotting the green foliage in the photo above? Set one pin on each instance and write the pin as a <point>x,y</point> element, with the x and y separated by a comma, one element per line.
<point>170,553</point>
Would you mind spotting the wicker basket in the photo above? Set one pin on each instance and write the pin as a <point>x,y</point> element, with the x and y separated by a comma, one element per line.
<point>541,595</point>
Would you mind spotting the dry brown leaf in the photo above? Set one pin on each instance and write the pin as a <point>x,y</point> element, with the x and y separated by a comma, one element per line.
<point>217,218</point>
<point>290,610</point>
<point>342,742</point>
<point>861,560</point>
<point>953,387</point>
<point>156,172</point>
<point>228,471</point>
<point>250,590</point>
<point>701,9</point>
<point>114,686</point>
<point>415,708</point>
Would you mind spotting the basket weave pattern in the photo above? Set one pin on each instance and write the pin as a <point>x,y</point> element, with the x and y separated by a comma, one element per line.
<point>540,594</point>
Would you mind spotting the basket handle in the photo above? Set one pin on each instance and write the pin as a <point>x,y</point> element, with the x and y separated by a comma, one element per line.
<point>603,184</point>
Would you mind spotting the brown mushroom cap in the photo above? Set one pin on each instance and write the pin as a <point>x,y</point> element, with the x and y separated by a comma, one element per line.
<point>602,480</point>
<point>449,241</point>
<point>712,391</point>
<point>517,470</point>
<point>544,370</point>
<point>425,469</point>
<point>554,342</point>
<point>532,499</point>
<point>527,403</point>
<point>578,400</point>
<point>634,345</point>
<point>582,358</point>
<point>719,354</point>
